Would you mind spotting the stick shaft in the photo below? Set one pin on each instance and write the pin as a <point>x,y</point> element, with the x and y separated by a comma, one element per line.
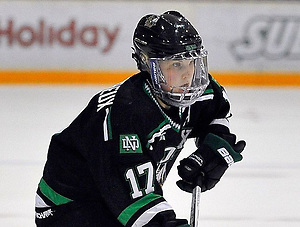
<point>195,208</point>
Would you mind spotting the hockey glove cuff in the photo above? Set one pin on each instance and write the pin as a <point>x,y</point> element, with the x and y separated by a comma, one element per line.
<point>209,161</point>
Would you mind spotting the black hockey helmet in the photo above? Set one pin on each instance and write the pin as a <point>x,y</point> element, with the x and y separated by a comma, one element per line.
<point>164,35</point>
<point>170,36</point>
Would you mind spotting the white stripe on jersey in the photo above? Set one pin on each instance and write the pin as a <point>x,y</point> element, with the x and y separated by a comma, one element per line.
<point>160,133</point>
<point>205,97</point>
<point>39,202</point>
<point>105,129</point>
<point>149,214</point>
<point>222,121</point>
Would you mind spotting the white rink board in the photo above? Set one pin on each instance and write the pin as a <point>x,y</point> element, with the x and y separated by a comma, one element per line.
<point>87,35</point>
<point>261,191</point>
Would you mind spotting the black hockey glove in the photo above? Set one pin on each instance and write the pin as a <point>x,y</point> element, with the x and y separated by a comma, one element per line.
<point>170,223</point>
<point>210,161</point>
<point>177,223</point>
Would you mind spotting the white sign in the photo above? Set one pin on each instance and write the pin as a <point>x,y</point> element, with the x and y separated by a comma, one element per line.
<point>74,35</point>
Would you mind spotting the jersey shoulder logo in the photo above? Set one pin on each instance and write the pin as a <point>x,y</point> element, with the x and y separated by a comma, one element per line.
<point>129,144</point>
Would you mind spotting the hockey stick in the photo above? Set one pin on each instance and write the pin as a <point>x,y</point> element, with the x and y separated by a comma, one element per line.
<point>195,207</point>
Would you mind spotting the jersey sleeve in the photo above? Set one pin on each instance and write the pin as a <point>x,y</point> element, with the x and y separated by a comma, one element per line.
<point>211,114</point>
<point>220,122</point>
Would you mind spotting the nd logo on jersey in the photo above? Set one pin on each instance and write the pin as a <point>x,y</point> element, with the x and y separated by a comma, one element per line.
<point>130,144</point>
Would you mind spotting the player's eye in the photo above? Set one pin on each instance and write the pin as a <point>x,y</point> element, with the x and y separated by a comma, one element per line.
<point>177,64</point>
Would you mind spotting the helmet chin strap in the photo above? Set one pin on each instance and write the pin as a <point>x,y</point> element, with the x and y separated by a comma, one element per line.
<point>162,103</point>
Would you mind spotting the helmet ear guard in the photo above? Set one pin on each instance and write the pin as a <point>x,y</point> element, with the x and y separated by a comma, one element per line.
<point>141,59</point>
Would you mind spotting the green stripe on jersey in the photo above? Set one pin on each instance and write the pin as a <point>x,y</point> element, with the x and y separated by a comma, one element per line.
<point>214,80</point>
<point>157,133</point>
<point>109,124</point>
<point>208,91</point>
<point>47,191</point>
<point>157,129</point>
<point>126,214</point>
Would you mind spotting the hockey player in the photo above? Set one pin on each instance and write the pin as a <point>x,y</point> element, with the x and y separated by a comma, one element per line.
<point>108,166</point>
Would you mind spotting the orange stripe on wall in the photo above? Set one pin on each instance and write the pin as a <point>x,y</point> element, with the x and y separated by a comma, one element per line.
<point>112,77</point>
<point>62,77</point>
<point>258,78</point>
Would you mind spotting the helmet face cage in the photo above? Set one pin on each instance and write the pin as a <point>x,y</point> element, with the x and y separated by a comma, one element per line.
<point>188,94</point>
<point>170,36</point>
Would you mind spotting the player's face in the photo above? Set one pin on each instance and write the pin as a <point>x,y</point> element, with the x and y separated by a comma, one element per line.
<point>177,73</point>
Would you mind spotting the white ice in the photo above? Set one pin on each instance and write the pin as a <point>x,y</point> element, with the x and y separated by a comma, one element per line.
<point>261,191</point>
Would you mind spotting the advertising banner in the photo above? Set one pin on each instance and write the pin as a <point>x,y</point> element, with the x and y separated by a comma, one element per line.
<point>87,41</point>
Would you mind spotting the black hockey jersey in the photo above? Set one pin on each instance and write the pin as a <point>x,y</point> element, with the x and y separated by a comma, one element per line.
<point>121,147</point>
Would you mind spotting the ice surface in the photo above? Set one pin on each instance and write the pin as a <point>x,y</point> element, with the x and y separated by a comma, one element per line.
<point>261,191</point>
